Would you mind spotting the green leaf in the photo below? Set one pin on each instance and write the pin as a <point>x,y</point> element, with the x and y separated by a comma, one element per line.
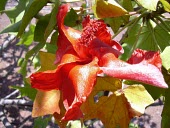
<point>41,122</point>
<point>2,4</point>
<point>116,22</point>
<point>34,50</point>
<point>29,54</point>
<point>40,28</point>
<point>51,48</point>
<point>52,22</point>
<point>71,18</point>
<point>126,4</point>
<point>14,12</point>
<point>27,38</point>
<point>155,92</point>
<point>33,9</point>
<point>166,5</point>
<point>23,69</point>
<point>165,58</point>
<point>12,28</point>
<point>104,9</point>
<point>26,90</point>
<point>36,62</point>
<point>145,37</point>
<point>148,4</point>
<point>70,1</point>
<point>20,61</point>
<point>54,38</point>
<point>120,106</point>
<point>47,65</point>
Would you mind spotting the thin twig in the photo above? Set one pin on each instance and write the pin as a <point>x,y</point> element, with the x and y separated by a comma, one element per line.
<point>4,120</point>
<point>23,122</point>
<point>15,102</point>
<point>137,37</point>
<point>11,94</point>
<point>7,42</point>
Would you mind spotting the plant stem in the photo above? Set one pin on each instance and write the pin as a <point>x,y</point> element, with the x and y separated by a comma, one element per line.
<point>120,30</point>
<point>164,28</point>
<point>130,24</point>
<point>137,38</point>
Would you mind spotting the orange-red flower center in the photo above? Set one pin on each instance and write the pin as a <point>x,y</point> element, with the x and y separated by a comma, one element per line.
<point>91,30</point>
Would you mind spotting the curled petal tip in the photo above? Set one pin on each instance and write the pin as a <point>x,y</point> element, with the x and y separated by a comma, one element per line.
<point>148,74</point>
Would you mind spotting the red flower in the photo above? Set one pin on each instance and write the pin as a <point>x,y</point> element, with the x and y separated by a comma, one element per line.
<point>82,56</point>
<point>146,57</point>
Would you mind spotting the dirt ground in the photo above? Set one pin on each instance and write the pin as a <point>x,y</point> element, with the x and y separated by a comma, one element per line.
<point>20,116</point>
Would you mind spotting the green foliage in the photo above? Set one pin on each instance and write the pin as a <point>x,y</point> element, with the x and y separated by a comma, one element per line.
<point>155,92</point>
<point>148,36</point>
<point>166,5</point>
<point>32,10</point>
<point>148,29</point>
<point>116,22</point>
<point>26,90</point>
<point>127,4</point>
<point>51,48</point>
<point>41,122</point>
<point>149,4</point>
<point>16,11</point>
<point>54,38</point>
<point>2,4</point>
<point>39,30</point>
<point>165,58</point>
<point>27,37</point>
<point>12,28</point>
<point>52,22</point>
<point>71,18</point>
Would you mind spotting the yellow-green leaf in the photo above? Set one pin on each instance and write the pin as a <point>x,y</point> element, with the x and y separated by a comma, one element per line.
<point>138,97</point>
<point>165,58</point>
<point>46,103</point>
<point>47,61</point>
<point>117,109</point>
<point>149,4</point>
<point>166,5</point>
<point>104,9</point>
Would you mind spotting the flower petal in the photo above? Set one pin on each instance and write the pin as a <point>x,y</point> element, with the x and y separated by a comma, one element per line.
<point>103,52</point>
<point>63,46</point>
<point>70,34</point>
<point>46,81</point>
<point>78,82</point>
<point>146,57</point>
<point>148,74</point>
<point>68,37</point>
